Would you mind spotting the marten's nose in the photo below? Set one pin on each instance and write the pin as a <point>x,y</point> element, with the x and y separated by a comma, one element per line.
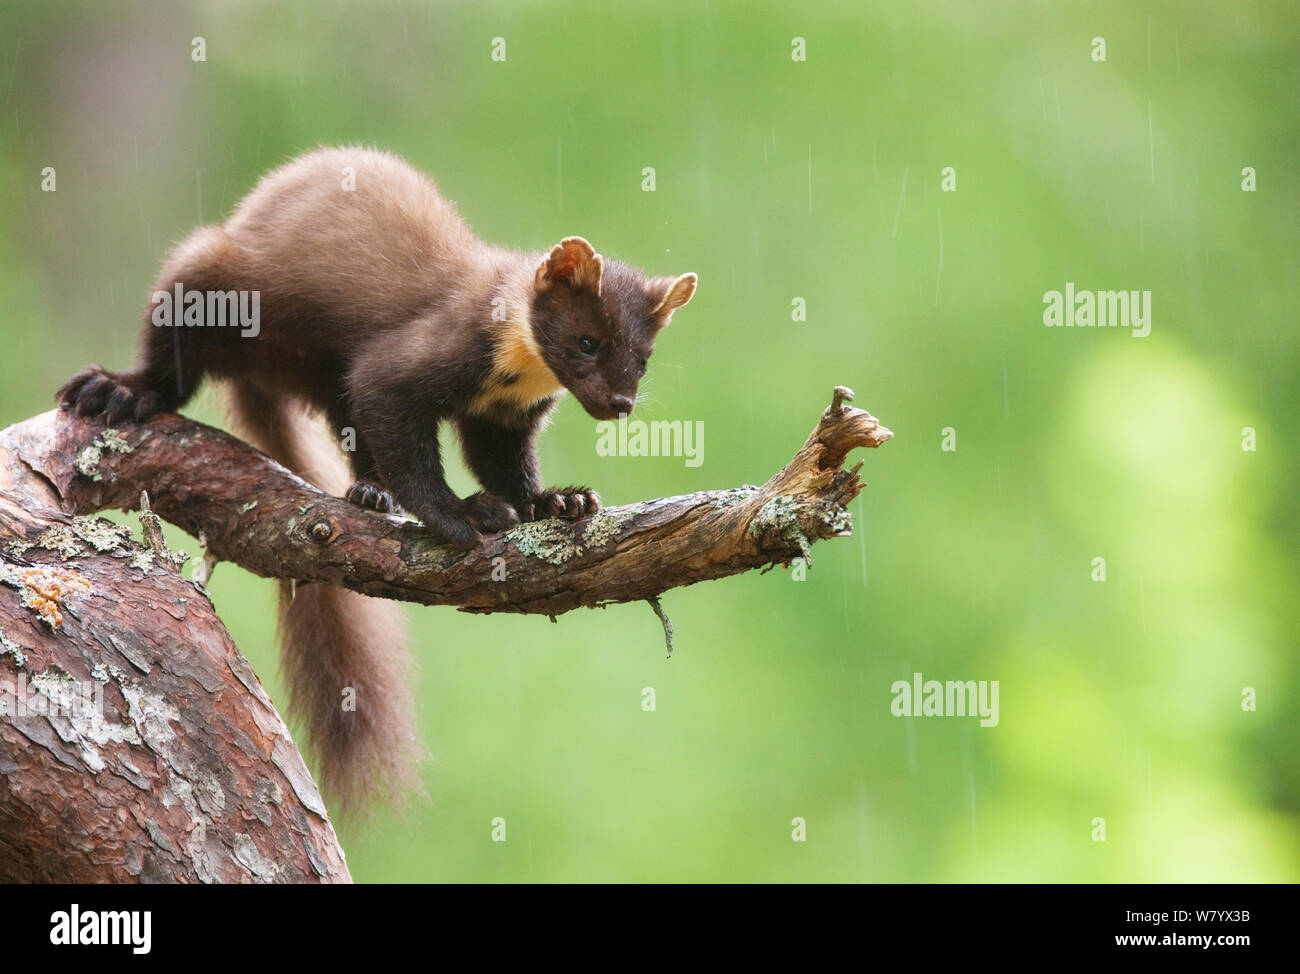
<point>621,404</point>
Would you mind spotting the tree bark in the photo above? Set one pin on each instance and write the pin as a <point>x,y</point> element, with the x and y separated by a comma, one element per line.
<point>188,773</point>
<point>136,743</point>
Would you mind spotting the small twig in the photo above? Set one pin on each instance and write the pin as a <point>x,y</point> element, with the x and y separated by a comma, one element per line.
<point>151,527</point>
<point>202,573</point>
<point>668,623</point>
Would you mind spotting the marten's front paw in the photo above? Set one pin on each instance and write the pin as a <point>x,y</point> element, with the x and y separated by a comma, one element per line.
<point>490,513</point>
<point>569,503</point>
<point>94,391</point>
<point>453,527</point>
<point>372,497</point>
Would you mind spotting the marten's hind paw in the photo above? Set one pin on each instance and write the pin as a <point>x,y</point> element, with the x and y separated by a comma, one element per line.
<point>94,391</point>
<point>570,503</point>
<point>490,513</point>
<point>372,497</point>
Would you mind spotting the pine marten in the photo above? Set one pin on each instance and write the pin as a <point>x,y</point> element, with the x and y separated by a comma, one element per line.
<point>382,311</point>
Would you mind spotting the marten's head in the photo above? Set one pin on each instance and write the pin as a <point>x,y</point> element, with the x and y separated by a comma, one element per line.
<point>595,323</point>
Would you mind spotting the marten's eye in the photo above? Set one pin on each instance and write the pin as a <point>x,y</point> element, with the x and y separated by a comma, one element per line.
<point>587,345</point>
<point>643,365</point>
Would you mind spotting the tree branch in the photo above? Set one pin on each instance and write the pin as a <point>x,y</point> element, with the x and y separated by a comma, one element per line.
<point>182,769</point>
<point>253,512</point>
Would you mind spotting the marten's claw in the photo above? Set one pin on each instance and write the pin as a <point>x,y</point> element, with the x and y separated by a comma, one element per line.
<point>88,391</point>
<point>94,391</point>
<point>570,503</point>
<point>372,497</point>
<point>453,528</point>
<point>490,513</point>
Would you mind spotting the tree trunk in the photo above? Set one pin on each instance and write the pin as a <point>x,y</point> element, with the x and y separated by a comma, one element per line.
<point>136,743</point>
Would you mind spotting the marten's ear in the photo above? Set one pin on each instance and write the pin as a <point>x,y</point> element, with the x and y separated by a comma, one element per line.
<point>574,261</point>
<point>675,294</point>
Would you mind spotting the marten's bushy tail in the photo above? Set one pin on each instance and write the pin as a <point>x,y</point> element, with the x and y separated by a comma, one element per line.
<point>344,654</point>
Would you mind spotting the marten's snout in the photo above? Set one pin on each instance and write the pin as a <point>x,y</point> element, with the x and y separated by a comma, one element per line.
<point>621,404</point>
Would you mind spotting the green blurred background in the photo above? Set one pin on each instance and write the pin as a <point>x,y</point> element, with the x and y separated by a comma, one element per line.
<point>779,179</point>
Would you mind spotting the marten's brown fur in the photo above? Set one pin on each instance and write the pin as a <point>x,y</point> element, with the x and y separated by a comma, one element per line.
<point>381,310</point>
